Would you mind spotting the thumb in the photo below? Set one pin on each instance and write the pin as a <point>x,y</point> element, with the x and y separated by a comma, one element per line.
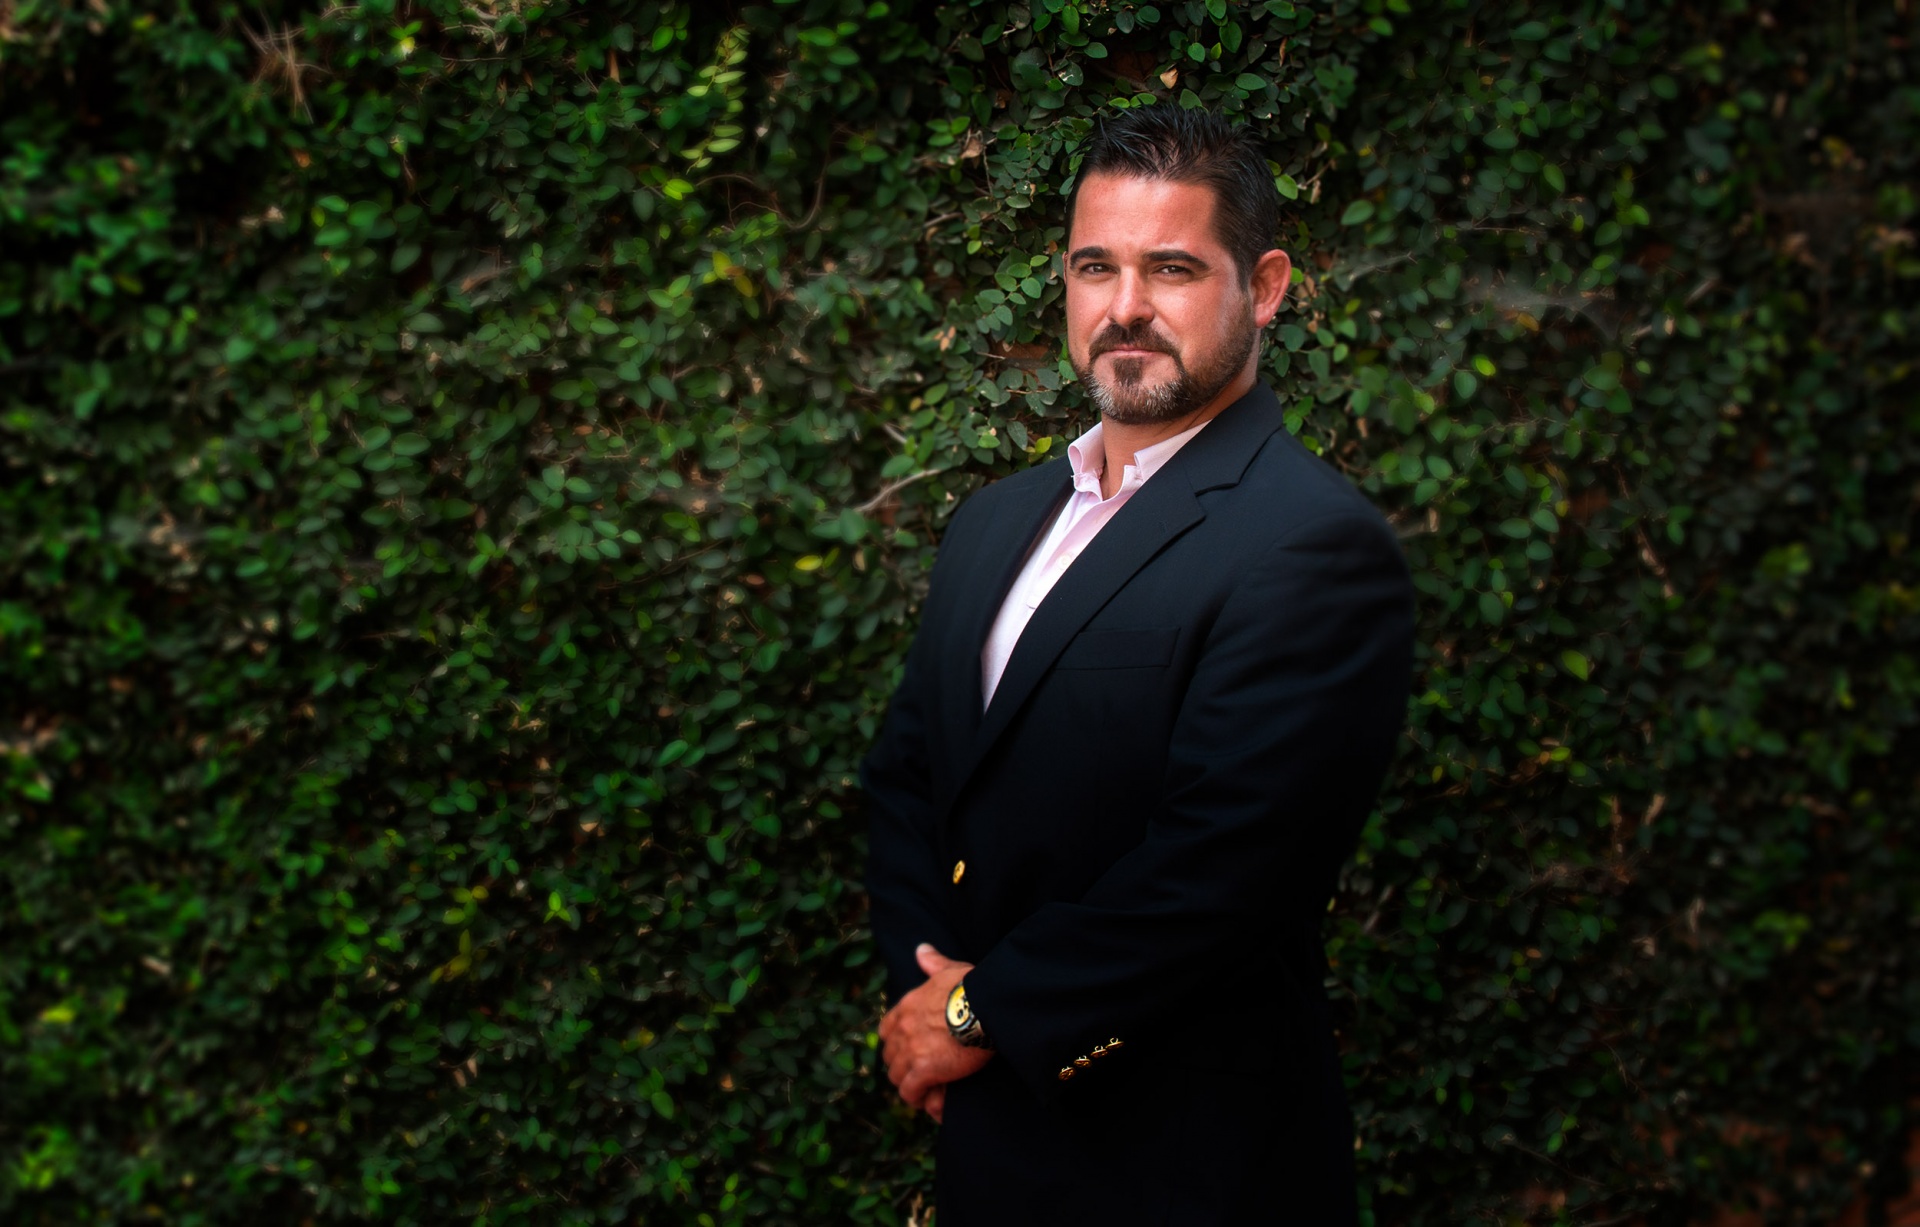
<point>931,960</point>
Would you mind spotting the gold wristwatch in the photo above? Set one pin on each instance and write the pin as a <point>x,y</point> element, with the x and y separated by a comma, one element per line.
<point>962,1023</point>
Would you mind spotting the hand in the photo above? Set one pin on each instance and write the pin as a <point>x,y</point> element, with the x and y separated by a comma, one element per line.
<point>921,1055</point>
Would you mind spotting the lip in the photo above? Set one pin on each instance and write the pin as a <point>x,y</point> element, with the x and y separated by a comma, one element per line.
<point>1131,353</point>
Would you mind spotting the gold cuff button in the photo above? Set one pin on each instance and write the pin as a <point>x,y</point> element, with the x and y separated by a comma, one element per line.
<point>959,871</point>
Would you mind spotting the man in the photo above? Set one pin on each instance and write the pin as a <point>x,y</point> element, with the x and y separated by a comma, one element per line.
<point>1155,687</point>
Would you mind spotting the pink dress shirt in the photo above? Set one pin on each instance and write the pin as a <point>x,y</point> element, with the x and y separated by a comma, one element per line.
<point>1085,514</point>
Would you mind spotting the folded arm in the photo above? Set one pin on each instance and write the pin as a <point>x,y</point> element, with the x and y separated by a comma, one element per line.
<point>1289,721</point>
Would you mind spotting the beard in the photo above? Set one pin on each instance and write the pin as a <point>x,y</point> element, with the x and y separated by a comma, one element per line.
<point>1130,401</point>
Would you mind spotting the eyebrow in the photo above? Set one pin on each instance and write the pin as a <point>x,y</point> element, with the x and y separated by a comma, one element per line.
<point>1176,256</point>
<point>1167,255</point>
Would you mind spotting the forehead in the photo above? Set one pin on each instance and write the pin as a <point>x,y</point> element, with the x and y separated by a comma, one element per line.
<point>1126,213</point>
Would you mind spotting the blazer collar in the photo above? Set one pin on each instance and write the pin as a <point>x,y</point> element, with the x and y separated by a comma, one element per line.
<point>1160,511</point>
<point>1219,455</point>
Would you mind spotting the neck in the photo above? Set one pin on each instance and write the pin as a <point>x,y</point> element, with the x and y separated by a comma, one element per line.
<point>1122,440</point>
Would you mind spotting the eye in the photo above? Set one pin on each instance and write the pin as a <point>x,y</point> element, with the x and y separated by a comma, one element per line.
<point>1175,269</point>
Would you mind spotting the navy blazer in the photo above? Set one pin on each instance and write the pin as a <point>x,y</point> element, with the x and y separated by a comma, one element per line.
<point>1136,841</point>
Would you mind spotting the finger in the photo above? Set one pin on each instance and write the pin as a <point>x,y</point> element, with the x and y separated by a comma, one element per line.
<point>935,1104</point>
<point>916,1084</point>
<point>931,960</point>
<point>897,1062</point>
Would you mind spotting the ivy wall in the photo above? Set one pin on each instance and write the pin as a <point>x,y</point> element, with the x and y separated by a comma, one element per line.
<point>467,472</point>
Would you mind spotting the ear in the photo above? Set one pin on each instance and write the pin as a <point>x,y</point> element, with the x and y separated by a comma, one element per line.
<point>1268,286</point>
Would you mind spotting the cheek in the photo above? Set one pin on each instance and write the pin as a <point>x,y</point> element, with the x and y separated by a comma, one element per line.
<point>1194,321</point>
<point>1186,313</point>
<point>1083,315</point>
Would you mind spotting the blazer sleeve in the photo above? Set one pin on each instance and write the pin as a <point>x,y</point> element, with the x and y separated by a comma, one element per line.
<point>903,874</point>
<point>1286,728</point>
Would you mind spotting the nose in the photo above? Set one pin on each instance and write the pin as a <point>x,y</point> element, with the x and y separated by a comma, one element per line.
<point>1132,304</point>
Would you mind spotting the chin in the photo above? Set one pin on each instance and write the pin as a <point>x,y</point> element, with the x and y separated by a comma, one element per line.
<point>1128,375</point>
<point>1136,404</point>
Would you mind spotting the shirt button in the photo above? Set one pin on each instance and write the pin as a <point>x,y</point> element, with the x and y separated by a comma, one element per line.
<point>959,871</point>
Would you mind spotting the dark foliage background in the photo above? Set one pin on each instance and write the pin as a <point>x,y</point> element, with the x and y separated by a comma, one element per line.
<point>467,470</point>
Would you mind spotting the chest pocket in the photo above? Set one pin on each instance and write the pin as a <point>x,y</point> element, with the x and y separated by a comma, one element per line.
<point>1148,647</point>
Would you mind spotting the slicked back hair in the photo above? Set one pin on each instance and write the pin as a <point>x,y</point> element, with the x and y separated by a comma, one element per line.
<point>1196,146</point>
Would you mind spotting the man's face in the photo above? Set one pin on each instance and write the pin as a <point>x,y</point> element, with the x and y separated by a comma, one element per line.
<point>1158,322</point>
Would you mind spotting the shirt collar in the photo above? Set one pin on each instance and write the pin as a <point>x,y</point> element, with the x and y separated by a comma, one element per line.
<point>1088,457</point>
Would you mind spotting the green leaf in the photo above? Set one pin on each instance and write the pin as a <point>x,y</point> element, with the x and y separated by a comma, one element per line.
<point>1357,212</point>
<point>327,618</point>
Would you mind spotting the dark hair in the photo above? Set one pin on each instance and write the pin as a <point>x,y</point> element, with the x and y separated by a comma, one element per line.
<point>1191,146</point>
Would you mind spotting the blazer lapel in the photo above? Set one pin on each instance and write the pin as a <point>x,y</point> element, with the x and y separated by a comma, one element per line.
<point>1159,511</point>
<point>1009,539</point>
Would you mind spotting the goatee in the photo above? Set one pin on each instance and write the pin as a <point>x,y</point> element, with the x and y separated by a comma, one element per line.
<point>1130,402</point>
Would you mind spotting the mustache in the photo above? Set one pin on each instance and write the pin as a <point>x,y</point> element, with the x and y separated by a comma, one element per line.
<point>1134,336</point>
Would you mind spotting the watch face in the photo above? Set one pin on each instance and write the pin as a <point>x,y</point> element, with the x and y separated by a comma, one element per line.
<point>959,1013</point>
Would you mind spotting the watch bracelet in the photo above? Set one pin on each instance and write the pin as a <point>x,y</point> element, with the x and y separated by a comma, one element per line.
<point>971,1033</point>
